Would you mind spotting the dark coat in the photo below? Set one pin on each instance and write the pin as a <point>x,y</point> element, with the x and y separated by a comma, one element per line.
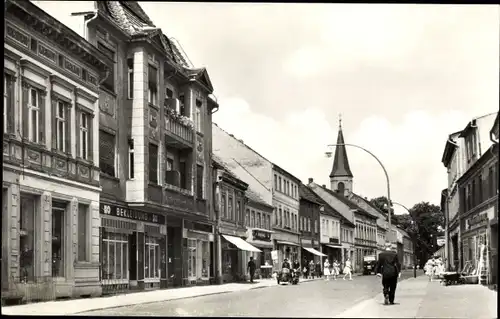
<point>388,264</point>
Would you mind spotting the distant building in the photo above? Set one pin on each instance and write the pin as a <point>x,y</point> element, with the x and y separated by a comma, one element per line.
<point>310,225</point>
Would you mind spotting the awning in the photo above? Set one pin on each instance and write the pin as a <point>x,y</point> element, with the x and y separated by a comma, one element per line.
<point>334,246</point>
<point>286,243</point>
<point>241,244</point>
<point>314,251</point>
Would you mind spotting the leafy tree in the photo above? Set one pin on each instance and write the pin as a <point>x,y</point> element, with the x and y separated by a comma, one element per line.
<point>381,203</point>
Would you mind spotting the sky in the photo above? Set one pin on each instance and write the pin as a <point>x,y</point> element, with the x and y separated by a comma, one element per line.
<point>402,76</point>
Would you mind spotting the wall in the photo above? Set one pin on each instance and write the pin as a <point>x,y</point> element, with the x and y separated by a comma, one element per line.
<point>329,228</point>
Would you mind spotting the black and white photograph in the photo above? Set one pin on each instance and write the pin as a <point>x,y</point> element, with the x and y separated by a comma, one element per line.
<point>250,159</point>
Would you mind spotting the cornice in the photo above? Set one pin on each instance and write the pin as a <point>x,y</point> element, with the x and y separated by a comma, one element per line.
<point>62,82</point>
<point>27,64</point>
<point>84,95</point>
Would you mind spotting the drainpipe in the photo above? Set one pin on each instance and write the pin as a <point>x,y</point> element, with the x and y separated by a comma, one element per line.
<point>218,239</point>
<point>85,24</point>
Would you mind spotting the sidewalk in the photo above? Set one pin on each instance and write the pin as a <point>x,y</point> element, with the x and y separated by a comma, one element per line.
<point>74,306</point>
<point>419,298</point>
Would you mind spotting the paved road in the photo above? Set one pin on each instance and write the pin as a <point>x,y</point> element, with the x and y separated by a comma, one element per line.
<point>309,299</point>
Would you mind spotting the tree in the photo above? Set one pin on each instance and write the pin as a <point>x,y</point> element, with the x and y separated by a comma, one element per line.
<point>381,203</point>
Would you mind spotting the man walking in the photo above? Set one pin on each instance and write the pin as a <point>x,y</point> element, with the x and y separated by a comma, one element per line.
<point>251,268</point>
<point>389,268</point>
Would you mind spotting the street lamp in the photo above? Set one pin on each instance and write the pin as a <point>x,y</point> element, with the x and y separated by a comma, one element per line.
<point>414,240</point>
<point>386,176</point>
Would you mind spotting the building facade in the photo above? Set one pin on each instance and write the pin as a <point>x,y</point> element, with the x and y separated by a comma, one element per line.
<point>50,188</point>
<point>229,206</point>
<point>310,224</point>
<point>155,118</point>
<point>286,215</point>
<point>478,192</point>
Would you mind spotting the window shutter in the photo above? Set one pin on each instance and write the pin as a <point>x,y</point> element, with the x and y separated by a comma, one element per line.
<point>90,152</point>
<point>67,109</point>
<point>78,131</point>
<point>41,116</point>
<point>25,112</point>
<point>54,122</point>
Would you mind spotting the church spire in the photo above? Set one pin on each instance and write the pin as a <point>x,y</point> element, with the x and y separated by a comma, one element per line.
<point>340,162</point>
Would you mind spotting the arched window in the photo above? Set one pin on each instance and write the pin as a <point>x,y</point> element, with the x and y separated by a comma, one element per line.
<point>340,187</point>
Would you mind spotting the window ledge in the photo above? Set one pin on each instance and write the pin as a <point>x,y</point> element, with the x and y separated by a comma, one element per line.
<point>105,175</point>
<point>150,183</point>
<point>84,161</point>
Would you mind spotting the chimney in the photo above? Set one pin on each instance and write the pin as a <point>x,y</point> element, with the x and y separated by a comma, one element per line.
<point>310,180</point>
<point>324,186</point>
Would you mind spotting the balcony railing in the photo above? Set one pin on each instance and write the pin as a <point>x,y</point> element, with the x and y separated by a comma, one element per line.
<point>178,125</point>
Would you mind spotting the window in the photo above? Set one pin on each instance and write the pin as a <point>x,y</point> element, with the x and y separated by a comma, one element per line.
<point>238,211</point>
<point>27,238</point>
<point>130,77</point>
<point>309,225</point>
<point>247,218</point>
<point>268,221</point>
<point>151,258</point>
<point>84,135</point>
<point>58,242</point>
<point>198,119</point>
<point>198,259</point>
<point>83,230</point>
<point>182,169</point>
<point>131,159</point>
<point>199,181</point>
<point>315,226</point>
<point>115,256</point>
<point>109,83</point>
<point>279,184</point>
<point>153,163</point>
<point>7,102</point>
<point>152,85</point>
<point>280,217</point>
<point>252,222</point>
<point>107,153</point>
<point>275,182</point>
<point>259,221</point>
<point>33,115</point>
<point>473,195</point>
<point>224,207</point>
<point>169,93</point>
<point>230,214</point>
<point>491,182</point>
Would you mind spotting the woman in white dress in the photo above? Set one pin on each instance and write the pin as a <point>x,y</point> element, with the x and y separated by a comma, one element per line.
<point>326,269</point>
<point>336,269</point>
<point>348,269</point>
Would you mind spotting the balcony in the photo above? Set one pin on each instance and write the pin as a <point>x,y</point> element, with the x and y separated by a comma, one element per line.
<point>178,128</point>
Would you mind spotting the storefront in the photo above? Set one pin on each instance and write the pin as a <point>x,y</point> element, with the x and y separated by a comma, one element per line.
<point>234,253</point>
<point>474,234</point>
<point>198,253</point>
<point>310,251</point>
<point>288,246</point>
<point>263,240</point>
<point>133,248</point>
<point>333,250</point>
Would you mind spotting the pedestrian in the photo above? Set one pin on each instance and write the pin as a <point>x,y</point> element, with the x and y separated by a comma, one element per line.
<point>318,269</point>
<point>251,268</point>
<point>312,269</point>
<point>348,269</point>
<point>326,269</point>
<point>389,268</point>
<point>336,269</point>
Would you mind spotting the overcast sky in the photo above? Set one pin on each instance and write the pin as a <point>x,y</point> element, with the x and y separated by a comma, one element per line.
<point>402,76</point>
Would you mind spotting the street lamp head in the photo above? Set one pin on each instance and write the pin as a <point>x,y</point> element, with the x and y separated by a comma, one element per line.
<point>328,154</point>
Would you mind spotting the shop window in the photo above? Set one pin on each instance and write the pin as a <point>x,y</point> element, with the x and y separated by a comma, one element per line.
<point>115,256</point>
<point>27,238</point>
<point>107,153</point>
<point>58,240</point>
<point>83,231</point>
<point>151,258</point>
<point>198,259</point>
<point>192,258</point>
<point>230,214</point>
<point>153,163</point>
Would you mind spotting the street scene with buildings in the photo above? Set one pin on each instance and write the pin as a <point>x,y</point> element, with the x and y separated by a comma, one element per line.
<point>123,194</point>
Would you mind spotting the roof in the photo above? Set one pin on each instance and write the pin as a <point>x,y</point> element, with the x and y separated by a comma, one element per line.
<point>370,204</point>
<point>329,210</point>
<point>306,194</point>
<point>347,202</point>
<point>133,21</point>
<point>250,193</point>
<point>472,123</point>
<point>449,149</point>
<point>340,162</point>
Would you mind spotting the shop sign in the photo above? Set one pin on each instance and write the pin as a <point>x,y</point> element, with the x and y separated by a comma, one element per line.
<point>306,241</point>
<point>333,240</point>
<point>274,255</point>
<point>476,221</point>
<point>260,235</point>
<point>112,210</point>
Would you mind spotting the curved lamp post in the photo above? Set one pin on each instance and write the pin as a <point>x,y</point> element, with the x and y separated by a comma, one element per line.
<point>386,176</point>
<point>414,241</point>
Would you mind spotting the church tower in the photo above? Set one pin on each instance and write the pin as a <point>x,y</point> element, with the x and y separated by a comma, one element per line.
<point>341,175</point>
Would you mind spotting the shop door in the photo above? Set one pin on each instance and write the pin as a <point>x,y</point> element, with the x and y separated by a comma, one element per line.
<point>174,261</point>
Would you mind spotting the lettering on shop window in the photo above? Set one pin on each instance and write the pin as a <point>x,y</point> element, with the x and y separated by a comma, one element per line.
<point>131,214</point>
